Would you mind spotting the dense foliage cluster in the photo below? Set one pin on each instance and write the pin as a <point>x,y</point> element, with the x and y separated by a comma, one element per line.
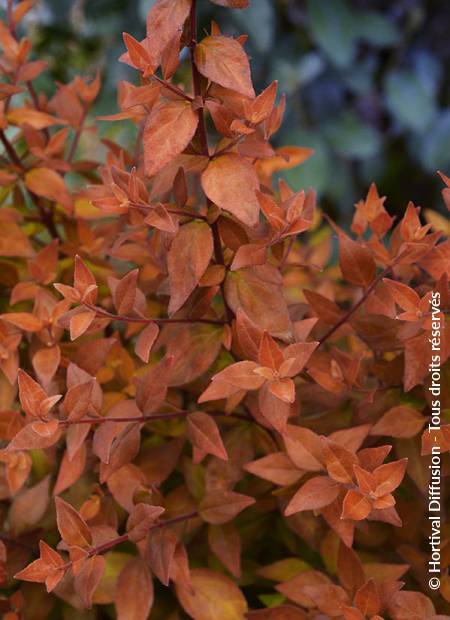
<point>367,82</point>
<point>206,411</point>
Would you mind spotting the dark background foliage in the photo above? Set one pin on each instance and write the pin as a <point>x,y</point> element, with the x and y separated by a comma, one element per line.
<point>367,82</point>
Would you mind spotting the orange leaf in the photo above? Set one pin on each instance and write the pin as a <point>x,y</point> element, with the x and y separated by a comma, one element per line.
<point>389,476</point>
<point>187,260</point>
<point>222,60</point>
<point>141,519</point>
<point>316,493</point>
<point>204,434</point>
<point>169,129</point>
<point>125,292</point>
<point>71,526</point>
<point>80,322</point>
<point>23,320</point>
<point>401,421</point>
<point>45,363</point>
<point>356,261</point>
<point>225,543</point>
<point>47,183</point>
<point>230,181</point>
<point>29,506</point>
<point>239,376</point>
<point>276,467</point>
<point>134,591</point>
<point>164,20</point>
<point>145,341</point>
<point>88,578</point>
<point>270,354</point>
<point>367,599</point>
<point>221,506</point>
<point>70,470</point>
<point>30,439</point>
<point>34,118</point>
<point>31,394</point>
<point>212,596</point>
<point>355,506</point>
<point>47,569</point>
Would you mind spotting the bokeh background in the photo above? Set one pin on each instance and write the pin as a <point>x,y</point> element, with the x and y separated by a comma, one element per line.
<point>367,82</point>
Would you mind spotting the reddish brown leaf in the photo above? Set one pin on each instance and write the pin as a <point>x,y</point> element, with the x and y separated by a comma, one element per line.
<point>204,434</point>
<point>222,60</point>
<point>134,591</point>
<point>355,506</point>
<point>276,467</point>
<point>47,183</point>
<point>161,546</point>
<point>222,506</point>
<point>165,18</point>
<point>71,526</point>
<point>45,363</point>
<point>367,599</point>
<point>231,182</point>
<point>389,476</point>
<point>356,261</point>
<point>23,320</point>
<point>168,130</point>
<point>70,470</point>
<point>400,421</point>
<point>89,577</point>
<point>125,293</point>
<point>212,595</point>
<point>145,341</point>
<point>239,376</point>
<point>225,543</point>
<point>187,260</point>
<point>47,569</point>
<point>316,493</point>
<point>29,506</point>
<point>141,519</point>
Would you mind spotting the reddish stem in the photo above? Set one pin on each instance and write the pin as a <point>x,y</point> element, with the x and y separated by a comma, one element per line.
<point>181,212</point>
<point>10,17</point>
<point>203,138</point>
<point>77,136</point>
<point>350,313</point>
<point>131,319</point>
<point>10,150</point>
<point>173,88</point>
<point>125,538</point>
<point>154,417</point>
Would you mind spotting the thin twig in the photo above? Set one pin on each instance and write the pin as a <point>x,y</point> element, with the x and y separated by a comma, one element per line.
<point>103,548</point>
<point>77,136</point>
<point>350,313</point>
<point>156,417</point>
<point>203,138</point>
<point>173,88</point>
<point>180,212</point>
<point>10,150</point>
<point>131,319</point>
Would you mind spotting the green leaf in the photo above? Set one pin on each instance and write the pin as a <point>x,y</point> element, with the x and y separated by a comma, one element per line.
<point>272,600</point>
<point>408,100</point>
<point>350,137</point>
<point>333,27</point>
<point>433,148</point>
<point>377,29</point>
<point>317,170</point>
<point>258,21</point>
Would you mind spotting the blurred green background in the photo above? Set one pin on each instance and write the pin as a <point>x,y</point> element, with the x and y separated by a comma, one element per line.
<point>367,82</point>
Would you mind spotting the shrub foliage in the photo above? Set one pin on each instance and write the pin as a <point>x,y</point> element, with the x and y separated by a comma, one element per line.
<point>203,412</point>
